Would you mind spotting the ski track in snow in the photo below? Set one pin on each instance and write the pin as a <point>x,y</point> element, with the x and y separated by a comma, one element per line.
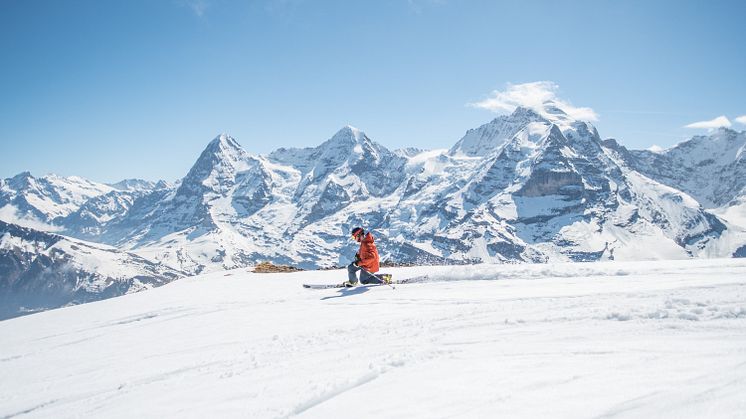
<point>595,340</point>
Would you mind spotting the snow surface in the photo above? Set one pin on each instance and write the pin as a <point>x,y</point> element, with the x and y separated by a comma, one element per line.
<point>734,212</point>
<point>608,339</point>
<point>10,214</point>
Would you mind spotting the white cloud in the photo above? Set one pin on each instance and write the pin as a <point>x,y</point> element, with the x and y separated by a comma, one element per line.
<point>655,148</point>
<point>720,121</point>
<point>741,119</point>
<point>538,95</point>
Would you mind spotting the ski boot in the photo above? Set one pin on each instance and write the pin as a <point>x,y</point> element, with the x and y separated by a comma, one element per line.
<point>386,278</point>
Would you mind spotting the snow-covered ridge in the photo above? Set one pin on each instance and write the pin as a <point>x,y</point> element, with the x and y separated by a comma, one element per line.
<point>711,168</point>
<point>139,185</point>
<point>45,198</point>
<point>42,271</point>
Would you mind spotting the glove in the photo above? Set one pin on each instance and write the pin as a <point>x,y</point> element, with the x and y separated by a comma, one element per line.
<point>357,259</point>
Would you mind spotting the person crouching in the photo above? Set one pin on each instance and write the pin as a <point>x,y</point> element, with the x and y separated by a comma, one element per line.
<point>366,260</point>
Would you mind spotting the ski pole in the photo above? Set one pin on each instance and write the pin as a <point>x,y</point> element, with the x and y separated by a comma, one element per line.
<point>366,271</point>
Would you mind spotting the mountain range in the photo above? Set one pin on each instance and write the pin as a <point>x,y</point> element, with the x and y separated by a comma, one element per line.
<point>41,270</point>
<point>531,186</point>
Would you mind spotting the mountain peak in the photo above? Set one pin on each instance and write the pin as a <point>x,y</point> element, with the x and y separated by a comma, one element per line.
<point>220,160</point>
<point>552,108</point>
<point>348,134</point>
<point>223,142</point>
<point>720,137</point>
<point>222,148</point>
<point>488,137</point>
<point>524,112</point>
<point>344,141</point>
<point>21,181</point>
<point>22,175</point>
<point>555,112</point>
<point>729,132</point>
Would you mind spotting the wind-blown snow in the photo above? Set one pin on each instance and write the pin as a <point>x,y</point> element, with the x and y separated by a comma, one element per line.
<point>614,339</point>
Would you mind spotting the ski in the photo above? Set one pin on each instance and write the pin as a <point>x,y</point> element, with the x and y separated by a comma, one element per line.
<point>422,278</point>
<point>323,286</point>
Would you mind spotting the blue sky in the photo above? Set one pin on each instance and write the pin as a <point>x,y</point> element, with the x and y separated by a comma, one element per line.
<point>115,89</point>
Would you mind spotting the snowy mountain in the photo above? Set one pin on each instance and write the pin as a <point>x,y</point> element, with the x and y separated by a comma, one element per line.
<point>529,186</point>
<point>734,213</point>
<point>38,201</point>
<point>534,187</point>
<point>39,270</point>
<point>347,168</point>
<point>548,188</point>
<point>234,209</point>
<point>711,168</point>
<point>97,216</point>
<point>490,136</point>
<point>219,187</point>
<point>139,185</point>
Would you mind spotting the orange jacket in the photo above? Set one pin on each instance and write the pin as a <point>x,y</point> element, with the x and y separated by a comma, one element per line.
<point>368,254</point>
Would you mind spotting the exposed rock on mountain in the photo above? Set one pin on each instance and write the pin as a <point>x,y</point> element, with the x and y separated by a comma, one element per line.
<point>39,271</point>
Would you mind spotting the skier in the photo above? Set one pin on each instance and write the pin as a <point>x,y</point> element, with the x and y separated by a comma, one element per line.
<point>366,261</point>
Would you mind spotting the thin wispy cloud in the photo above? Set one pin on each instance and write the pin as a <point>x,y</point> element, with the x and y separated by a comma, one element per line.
<point>539,96</point>
<point>741,119</point>
<point>719,122</point>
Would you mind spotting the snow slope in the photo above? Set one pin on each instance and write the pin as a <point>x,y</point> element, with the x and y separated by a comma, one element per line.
<point>605,339</point>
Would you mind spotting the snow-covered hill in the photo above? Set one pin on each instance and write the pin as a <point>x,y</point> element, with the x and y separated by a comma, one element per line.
<point>39,271</point>
<point>612,339</point>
